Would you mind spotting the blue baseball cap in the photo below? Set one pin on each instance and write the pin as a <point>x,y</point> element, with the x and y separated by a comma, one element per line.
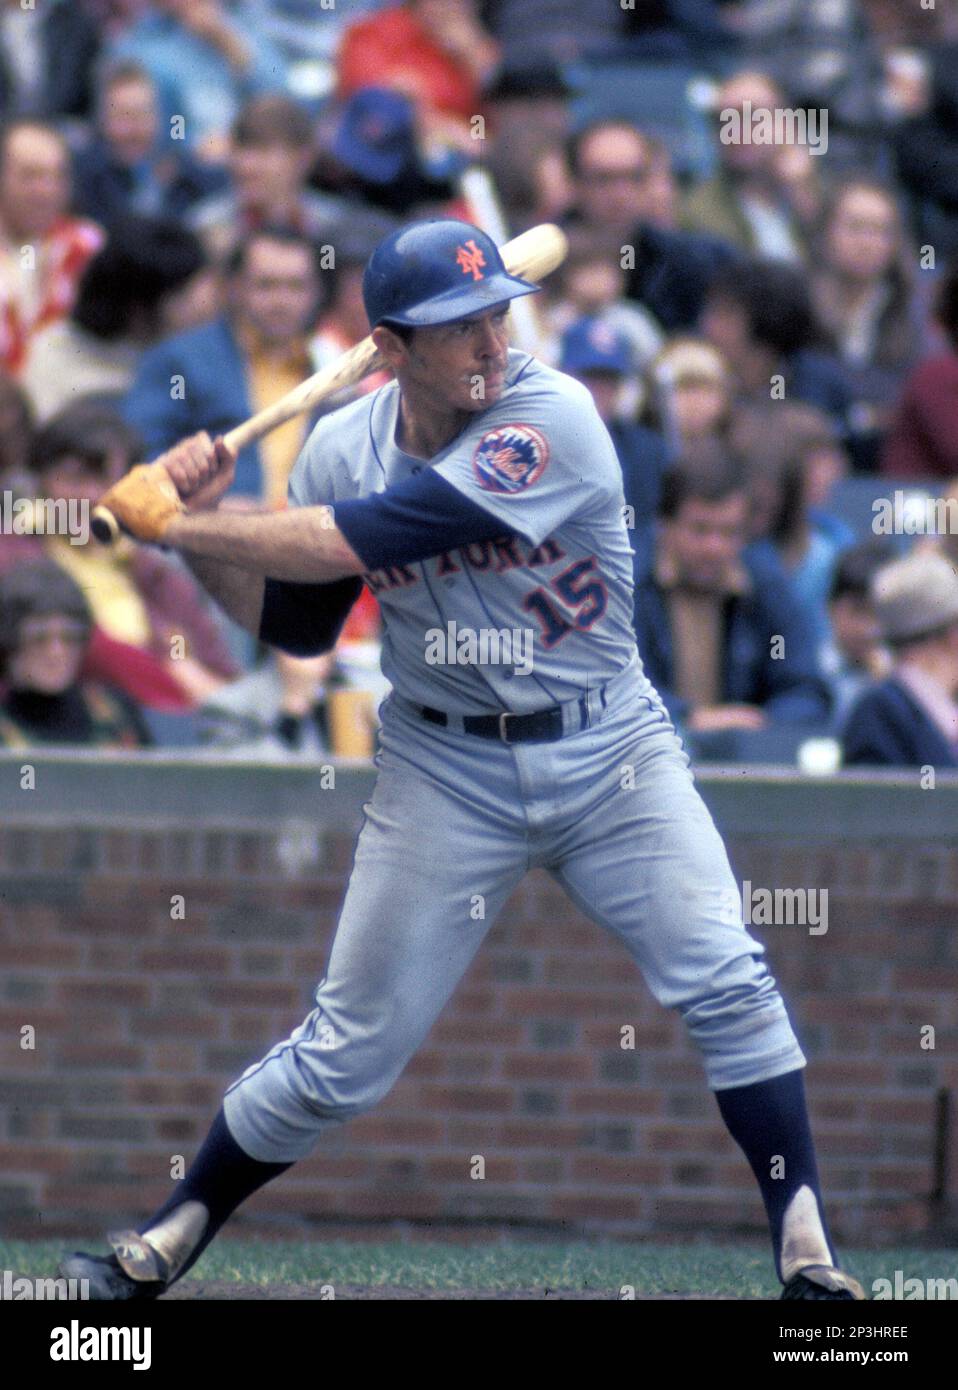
<point>593,345</point>
<point>375,137</point>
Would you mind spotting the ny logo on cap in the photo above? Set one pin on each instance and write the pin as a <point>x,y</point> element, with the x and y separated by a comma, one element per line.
<point>470,259</point>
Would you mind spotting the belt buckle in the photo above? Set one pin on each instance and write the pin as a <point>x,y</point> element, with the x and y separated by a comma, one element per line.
<point>507,714</point>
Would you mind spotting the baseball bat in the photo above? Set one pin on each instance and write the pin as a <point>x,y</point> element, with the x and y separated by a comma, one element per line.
<point>532,255</point>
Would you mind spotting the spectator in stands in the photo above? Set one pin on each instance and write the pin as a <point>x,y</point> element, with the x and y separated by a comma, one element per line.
<point>894,23</point>
<point>205,60</point>
<point>825,56</point>
<point>669,272</point>
<point>343,323</point>
<point>47,57</point>
<point>244,360</point>
<point>591,284</point>
<point>765,195</point>
<point>113,16</point>
<point>853,654</point>
<point>140,597</point>
<point>689,394</point>
<point>911,719</point>
<point>16,429</point>
<point>129,166</point>
<point>694,32</point>
<point>435,51</point>
<point>922,441</point>
<point>723,640</point>
<point>600,357</point>
<point>778,430</point>
<point>45,627</point>
<point>272,147</point>
<point>43,250</point>
<point>786,533</point>
<point>306,32</point>
<point>535,48</point>
<point>151,279</point>
<point>926,150</point>
<point>866,297</point>
<point>662,195</point>
<point>374,157</point>
<point>759,315</point>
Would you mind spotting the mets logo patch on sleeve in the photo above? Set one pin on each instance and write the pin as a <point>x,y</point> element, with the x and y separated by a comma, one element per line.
<point>510,458</point>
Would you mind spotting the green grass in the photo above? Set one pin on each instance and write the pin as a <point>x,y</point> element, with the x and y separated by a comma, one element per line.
<point>738,1269</point>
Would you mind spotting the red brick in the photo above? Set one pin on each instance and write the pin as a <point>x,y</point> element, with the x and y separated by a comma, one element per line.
<point>596,1207</point>
<point>111,1056</point>
<point>496,1032</point>
<point>551,1170</point>
<point>458,1169</point>
<point>548,1066</point>
<point>574,969</point>
<point>185,960</point>
<point>619,1100</point>
<point>379,1128</point>
<point>657,1033</point>
<point>28,1158</point>
<point>427,1065</point>
<point>164,1025</point>
<point>54,954</point>
<point>480,1099</point>
<point>900,1111</point>
<point>545,1134</point>
<point>172,1093</point>
<point>174,1056</point>
<point>256,993</point>
<point>941,978</point>
<point>155,1164</point>
<point>390,1206</point>
<point>246,1026</point>
<point>543,1003</point>
<point>687,1138</point>
<point>127,994</point>
<point>598,1169</point>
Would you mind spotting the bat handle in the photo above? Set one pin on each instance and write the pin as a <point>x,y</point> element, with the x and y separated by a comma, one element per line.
<point>104,525</point>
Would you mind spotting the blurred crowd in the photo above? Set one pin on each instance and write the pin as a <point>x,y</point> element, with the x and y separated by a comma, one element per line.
<point>189,190</point>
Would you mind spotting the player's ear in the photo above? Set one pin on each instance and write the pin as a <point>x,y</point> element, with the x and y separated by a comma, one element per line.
<point>391,346</point>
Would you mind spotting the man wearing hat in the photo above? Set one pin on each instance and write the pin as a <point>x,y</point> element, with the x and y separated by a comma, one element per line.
<point>600,356</point>
<point>911,719</point>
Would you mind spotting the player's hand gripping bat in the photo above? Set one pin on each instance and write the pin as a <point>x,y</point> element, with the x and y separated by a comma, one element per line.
<point>145,500</point>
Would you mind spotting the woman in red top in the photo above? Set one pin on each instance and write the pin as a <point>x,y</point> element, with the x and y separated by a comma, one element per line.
<point>435,51</point>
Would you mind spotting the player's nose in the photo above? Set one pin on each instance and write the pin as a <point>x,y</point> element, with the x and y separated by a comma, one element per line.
<point>488,344</point>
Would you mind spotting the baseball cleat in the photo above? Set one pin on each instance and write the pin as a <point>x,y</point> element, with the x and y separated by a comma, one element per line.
<point>823,1282</point>
<point>134,1270</point>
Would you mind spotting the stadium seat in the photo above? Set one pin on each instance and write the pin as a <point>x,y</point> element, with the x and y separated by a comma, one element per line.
<point>852,499</point>
<point>172,730</point>
<point>775,746</point>
<point>657,97</point>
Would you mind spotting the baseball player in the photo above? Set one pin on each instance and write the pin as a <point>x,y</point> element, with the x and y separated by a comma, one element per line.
<point>479,497</point>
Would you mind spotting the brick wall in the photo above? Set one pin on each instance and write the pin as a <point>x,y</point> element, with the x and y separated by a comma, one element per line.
<point>140,1021</point>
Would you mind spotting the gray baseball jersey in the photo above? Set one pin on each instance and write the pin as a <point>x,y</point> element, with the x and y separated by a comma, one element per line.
<point>559,591</point>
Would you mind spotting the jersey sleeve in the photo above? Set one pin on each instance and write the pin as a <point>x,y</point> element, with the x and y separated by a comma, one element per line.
<point>307,619</point>
<point>310,482</point>
<point>537,459</point>
<point>413,520</point>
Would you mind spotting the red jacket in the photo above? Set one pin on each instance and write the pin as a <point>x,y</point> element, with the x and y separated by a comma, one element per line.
<point>392,49</point>
<point>922,440</point>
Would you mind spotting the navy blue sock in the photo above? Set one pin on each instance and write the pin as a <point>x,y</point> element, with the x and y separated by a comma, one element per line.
<point>769,1121</point>
<point>221,1177</point>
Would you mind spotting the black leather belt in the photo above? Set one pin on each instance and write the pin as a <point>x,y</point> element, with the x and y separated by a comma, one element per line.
<point>543,726</point>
